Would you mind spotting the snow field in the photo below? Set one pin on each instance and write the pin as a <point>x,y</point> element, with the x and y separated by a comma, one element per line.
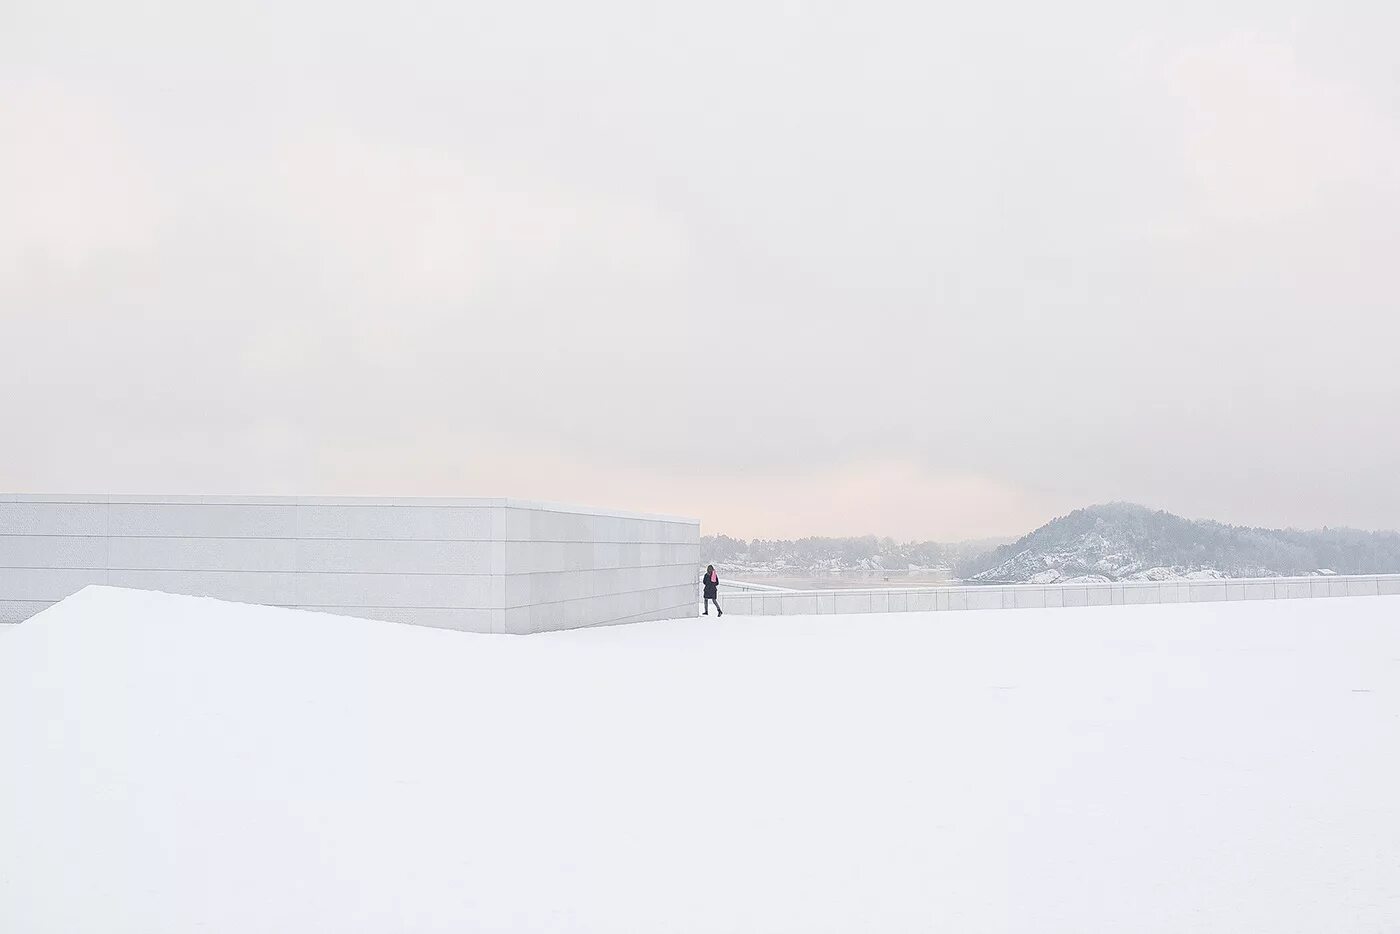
<point>170,764</point>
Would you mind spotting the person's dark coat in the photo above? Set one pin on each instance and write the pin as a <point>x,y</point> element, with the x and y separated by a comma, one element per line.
<point>711,586</point>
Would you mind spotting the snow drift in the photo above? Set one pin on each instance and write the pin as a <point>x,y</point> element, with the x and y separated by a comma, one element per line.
<point>173,764</point>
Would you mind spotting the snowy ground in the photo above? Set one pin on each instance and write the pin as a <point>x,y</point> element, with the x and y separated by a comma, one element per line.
<point>169,764</point>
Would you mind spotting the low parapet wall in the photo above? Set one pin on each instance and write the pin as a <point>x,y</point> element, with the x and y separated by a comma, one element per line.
<point>481,565</point>
<point>1026,596</point>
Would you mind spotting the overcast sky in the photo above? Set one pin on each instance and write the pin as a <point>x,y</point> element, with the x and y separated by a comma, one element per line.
<point>793,268</point>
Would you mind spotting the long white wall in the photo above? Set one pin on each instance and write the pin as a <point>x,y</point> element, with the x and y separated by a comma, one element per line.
<point>481,565</point>
<point>1019,596</point>
<point>566,568</point>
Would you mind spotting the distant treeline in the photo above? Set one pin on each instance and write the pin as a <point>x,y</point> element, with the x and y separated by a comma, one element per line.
<point>837,553</point>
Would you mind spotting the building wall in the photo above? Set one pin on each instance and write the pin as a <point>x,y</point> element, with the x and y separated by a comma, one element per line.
<point>1028,596</point>
<point>480,565</point>
<point>563,568</point>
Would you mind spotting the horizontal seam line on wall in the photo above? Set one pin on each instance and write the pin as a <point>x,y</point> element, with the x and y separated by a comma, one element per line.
<point>251,505</point>
<point>357,573</point>
<point>334,503</point>
<point>244,538</point>
<point>599,541</point>
<point>308,606</point>
<point>50,567</point>
<point>373,606</point>
<point>664,609</point>
<point>599,596</point>
<point>621,567</point>
<point>358,606</point>
<point>341,538</point>
<point>631,517</point>
<point>631,617</point>
<point>314,606</point>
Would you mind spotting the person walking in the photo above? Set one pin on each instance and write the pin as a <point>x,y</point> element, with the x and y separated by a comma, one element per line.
<point>712,590</point>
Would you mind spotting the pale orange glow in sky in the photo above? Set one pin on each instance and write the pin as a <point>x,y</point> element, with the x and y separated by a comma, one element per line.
<point>792,268</point>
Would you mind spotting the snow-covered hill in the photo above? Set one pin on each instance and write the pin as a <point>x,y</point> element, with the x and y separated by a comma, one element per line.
<point>173,764</point>
<point>1122,541</point>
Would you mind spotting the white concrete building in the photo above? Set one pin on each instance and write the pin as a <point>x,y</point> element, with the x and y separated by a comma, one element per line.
<point>480,565</point>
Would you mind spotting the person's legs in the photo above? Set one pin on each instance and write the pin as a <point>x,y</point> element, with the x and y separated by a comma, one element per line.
<point>707,607</point>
